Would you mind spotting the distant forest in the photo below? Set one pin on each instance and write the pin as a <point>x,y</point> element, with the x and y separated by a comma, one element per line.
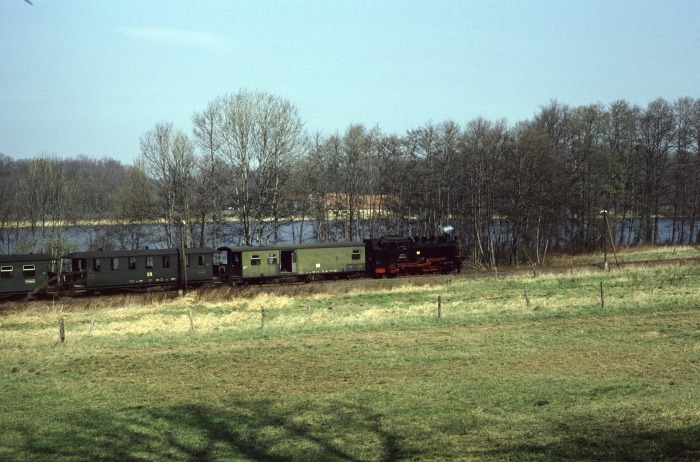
<point>510,193</point>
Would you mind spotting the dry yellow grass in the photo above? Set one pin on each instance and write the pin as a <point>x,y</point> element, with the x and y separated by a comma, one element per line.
<point>627,254</point>
<point>345,304</point>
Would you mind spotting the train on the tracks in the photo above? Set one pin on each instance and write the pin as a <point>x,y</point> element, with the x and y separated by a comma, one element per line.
<point>101,271</point>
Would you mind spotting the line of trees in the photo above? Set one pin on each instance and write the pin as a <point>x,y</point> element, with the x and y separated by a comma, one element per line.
<point>511,193</point>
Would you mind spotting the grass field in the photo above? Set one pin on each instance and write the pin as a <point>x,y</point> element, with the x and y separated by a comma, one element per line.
<point>364,370</point>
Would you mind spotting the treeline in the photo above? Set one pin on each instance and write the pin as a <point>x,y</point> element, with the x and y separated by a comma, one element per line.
<point>511,193</point>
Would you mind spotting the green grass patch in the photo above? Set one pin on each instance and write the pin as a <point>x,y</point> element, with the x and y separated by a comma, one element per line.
<point>364,370</point>
<point>633,254</point>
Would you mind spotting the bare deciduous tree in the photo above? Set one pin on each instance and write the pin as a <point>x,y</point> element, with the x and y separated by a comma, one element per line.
<point>49,196</point>
<point>208,138</point>
<point>261,137</point>
<point>167,156</point>
<point>657,127</point>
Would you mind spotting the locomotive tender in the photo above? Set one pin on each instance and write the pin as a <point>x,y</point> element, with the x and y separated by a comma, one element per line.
<point>96,271</point>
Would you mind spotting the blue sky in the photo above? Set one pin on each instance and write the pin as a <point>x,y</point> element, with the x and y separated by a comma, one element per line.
<point>91,77</point>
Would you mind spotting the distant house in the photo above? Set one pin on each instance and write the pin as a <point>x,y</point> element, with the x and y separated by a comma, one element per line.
<point>338,205</point>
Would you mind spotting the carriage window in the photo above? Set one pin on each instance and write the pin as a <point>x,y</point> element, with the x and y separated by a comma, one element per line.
<point>149,262</point>
<point>224,258</point>
<point>271,258</point>
<point>200,260</point>
<point>6,272</point>
<point>355,254</point>
<point>187,261</point>
<point>255,260</point>
<point>132,263</point>
<point>166,261</point>
<point>28,271</point>
<point>79,264</point>
<point>97,264</point>
<point>114,264</point>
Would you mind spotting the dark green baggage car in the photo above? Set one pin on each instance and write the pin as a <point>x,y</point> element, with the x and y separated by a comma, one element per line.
<point>26,273</point>
<point>91,271</point>
<point>292,261</point>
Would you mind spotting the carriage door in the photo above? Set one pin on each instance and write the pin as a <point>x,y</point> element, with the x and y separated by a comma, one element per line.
<point>235,262</point>
<point>288,261</point>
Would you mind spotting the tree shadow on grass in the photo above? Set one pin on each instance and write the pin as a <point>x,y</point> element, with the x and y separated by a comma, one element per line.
<point>596,440</point>
<point>330,431</point>
<point>260,430</point>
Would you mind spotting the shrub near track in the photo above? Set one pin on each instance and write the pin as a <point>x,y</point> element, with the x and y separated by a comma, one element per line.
<point>364,370</point>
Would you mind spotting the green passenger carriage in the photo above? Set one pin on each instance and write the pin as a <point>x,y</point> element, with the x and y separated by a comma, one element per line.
<point>89,271</point>
<point>25,273</point>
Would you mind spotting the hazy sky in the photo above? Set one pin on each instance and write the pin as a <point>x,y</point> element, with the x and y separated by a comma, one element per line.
<point>92,76</point>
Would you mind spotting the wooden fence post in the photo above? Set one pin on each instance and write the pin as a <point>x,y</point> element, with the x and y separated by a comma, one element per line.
<point>61,330</point>
<point>527,298</point>
<point>191,322</point>
<point>602,296</point>
<point>439,306</point>
<point>262,317</point>
<point>92,326</point>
